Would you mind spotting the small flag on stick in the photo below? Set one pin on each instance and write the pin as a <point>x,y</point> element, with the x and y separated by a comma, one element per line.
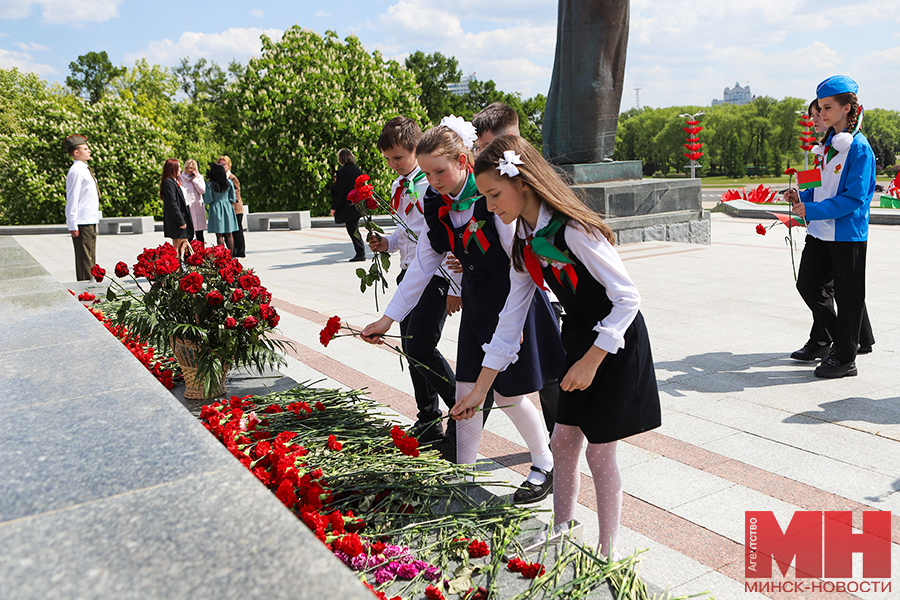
<point>809,179</point>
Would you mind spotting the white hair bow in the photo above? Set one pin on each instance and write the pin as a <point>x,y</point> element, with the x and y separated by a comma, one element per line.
<point>508,163</point>
<point>462,128</point>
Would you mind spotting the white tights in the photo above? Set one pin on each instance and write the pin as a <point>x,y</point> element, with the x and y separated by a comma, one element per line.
<point>567,443</point>
<point>524,416</point>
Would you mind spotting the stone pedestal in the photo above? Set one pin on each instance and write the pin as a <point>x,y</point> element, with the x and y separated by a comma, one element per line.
<point>641,210</point>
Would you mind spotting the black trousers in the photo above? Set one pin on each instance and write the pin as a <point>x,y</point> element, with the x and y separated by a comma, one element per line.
<point>431,375</point>
<point>85,251</point>
<point>840,318</point>
<point>198,235</point>
<point>818,333</point>
<point>356,237</point>
<point>239,249</point>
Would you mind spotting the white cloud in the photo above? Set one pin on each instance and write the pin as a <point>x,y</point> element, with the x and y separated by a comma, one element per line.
<point>257,12</point>
<point>15,9</point>
<point>322,13</point>
<point>26,46</point>
<point>412,21</point>
<point>65,12</point>
<point>24,62</point>
<point>235,43</point>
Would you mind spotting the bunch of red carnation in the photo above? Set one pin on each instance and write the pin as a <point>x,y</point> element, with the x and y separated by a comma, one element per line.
<point>363,192</point>
<point>408,444</point>
<point>330,330</point>
<point>527,569</point>
<point>478,549</point>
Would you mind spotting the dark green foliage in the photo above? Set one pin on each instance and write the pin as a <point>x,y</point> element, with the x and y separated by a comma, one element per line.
<point>91,75</point>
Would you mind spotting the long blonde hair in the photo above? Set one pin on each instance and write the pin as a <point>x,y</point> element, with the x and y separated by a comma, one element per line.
<point>547,185</point>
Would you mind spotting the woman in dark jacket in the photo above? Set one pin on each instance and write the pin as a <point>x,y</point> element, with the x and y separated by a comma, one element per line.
<point>177,224</point>
<point>342,209</point>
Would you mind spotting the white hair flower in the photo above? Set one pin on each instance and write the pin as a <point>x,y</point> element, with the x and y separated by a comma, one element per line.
<point>462,128</point>
<point>507,163</point>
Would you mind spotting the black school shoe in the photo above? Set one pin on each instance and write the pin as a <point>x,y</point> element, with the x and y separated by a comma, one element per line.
<point>531,492</point>
<point>811,351</point>
<point>427,432</point>
<point>832,368</point>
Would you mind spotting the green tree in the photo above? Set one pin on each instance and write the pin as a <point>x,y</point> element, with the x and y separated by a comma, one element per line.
<point>91,75</point>
<point>202,81</point>
<point>733,157</point>
<point>149,89</point>
<point>301,100</point>
<point>433,72</point>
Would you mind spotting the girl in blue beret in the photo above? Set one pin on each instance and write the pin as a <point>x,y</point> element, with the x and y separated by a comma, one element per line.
<point>837,213</point>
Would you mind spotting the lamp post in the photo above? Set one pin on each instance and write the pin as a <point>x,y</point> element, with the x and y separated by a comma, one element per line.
<point>693,142</point>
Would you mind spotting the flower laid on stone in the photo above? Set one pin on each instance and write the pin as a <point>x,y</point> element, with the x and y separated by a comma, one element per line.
<point>478,549</point>
<point>407,444</point>
<point>760,229</point>
<point>527,569</point>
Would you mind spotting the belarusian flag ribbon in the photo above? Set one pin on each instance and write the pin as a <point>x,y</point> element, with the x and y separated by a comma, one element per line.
<point>539,246</point>
<point>473,231</point>
<point>470,195</point>
<point>567,272</point>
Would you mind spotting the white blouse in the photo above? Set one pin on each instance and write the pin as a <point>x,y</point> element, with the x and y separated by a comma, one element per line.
<point>602,262</point>
<point>427,261</point>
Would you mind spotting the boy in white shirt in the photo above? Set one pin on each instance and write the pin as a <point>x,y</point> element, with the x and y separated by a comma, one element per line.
<point>82,206</point>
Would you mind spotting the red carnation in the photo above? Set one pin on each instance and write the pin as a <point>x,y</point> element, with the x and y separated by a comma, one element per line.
<point>237,295</point>
<point>333,444</point>
<point>371,203</point>
<point>230,323</point>
<point>265,311</point>
<point>366,192</point>
<point>273,320</point>
<point>533,570</point>
<point>353,197</point>
<point>98,273</point>
<point>319,406</point>
<point>791,172</point>
<point>191,283</point>
<point>516,565</point>
<point>478,549</point>
<point>249,322</point>
<point>215,298</point>
<point>760,229</point>
<point>433,593</point>
<point>330,330</point>
<point>86,297</point>
<point>121,269</point>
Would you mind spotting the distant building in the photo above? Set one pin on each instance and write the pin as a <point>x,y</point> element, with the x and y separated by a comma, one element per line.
<point>461,88</point>
<point>736,95</point>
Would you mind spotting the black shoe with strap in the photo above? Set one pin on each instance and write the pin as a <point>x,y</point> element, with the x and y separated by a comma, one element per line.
<point>531,492</point>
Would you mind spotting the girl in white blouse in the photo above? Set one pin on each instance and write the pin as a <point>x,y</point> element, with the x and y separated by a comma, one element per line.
<point>608,391</point>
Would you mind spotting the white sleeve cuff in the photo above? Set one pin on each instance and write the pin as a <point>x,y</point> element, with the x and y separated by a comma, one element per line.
<point>609,339</point>
<point>498,358</point>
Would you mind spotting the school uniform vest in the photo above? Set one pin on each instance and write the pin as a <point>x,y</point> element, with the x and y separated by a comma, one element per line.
<point>623,399</point>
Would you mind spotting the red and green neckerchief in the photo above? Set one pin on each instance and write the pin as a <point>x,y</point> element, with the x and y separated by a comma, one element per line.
<point>468,196</point>
<point>539,246</point>
<point>408,185</point>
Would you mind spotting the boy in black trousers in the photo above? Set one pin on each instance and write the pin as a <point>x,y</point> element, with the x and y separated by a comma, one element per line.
<point>431,376</point>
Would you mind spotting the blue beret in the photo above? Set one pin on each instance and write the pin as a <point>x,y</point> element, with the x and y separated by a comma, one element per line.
<point>834,85</point>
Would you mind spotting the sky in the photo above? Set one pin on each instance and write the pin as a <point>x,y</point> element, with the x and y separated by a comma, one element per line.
<point>680,52</point>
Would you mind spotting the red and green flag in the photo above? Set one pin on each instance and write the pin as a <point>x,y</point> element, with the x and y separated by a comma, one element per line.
<point>809,179</point>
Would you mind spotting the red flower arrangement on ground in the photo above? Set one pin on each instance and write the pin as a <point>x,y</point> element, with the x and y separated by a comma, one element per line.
<point>527,569</point>
<point>407,444</point>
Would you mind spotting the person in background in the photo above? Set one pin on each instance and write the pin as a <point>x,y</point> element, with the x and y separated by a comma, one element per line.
<point>819,343</point>
<point>837,216</point>
<point>82,206</point>
<point>239,250</point>
<point>219,197</point>
<point>342,209</point>
<point>193,186</point>
<point>176,216</point>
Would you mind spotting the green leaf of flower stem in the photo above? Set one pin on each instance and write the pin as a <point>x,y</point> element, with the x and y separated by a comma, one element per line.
<point>385,260</point>
<point>360,272</point>
<point>110,294</point>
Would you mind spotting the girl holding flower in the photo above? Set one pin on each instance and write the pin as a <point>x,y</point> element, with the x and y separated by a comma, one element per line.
<point>457,221</point>
<point>837,213</point>
<point>609,388</point>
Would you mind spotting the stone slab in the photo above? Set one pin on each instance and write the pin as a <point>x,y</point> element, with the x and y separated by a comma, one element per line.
<point>622,170</point>
<point>216,536</point>
<point>630,198</point>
